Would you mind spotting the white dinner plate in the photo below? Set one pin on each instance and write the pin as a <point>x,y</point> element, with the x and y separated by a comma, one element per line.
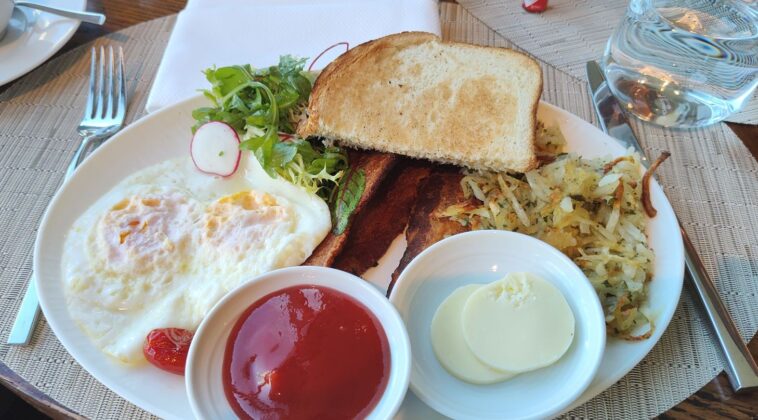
<point>34,36</point>
<point>166,134</point>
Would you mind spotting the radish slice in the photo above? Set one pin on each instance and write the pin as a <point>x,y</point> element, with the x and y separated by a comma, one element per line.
<point>347,48</point>
<point>285,136</point>
<point>215,149</point>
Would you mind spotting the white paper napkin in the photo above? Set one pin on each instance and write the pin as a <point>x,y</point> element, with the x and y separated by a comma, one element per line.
<point>257,32</point>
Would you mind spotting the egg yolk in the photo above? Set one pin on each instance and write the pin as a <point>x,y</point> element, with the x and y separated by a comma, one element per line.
<point>142,233</point>
<point>247,215</point>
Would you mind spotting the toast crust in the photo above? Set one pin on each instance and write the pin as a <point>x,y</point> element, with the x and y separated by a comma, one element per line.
<point>475,99</point>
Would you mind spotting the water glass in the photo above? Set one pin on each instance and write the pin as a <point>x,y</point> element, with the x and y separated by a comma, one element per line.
<point>684,63</point>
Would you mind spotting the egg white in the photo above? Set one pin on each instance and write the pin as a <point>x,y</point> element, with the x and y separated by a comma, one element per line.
<point>196,238</point>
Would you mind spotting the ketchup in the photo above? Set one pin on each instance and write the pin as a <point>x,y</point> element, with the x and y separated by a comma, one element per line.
<point>306,352</point>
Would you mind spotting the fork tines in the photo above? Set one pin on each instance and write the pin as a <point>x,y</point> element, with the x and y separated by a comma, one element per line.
<point>102,102</point>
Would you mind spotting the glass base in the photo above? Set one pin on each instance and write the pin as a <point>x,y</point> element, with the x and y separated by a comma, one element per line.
<point>665,103</point>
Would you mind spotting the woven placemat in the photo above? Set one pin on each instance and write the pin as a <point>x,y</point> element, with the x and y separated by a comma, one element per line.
<point>711,182</point>
<point>568,34</point>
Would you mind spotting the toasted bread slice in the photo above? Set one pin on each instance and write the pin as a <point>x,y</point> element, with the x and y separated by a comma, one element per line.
<point>412,94</point>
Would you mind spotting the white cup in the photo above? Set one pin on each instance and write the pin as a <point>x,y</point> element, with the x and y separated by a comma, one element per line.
<point>6,10</point>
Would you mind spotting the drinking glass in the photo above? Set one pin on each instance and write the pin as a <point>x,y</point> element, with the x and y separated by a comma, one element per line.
<point>684,63</point>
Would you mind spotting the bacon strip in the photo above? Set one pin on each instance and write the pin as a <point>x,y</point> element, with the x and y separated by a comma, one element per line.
<point>442,188</point>
<point>376,166</point>
<point>385,217</point>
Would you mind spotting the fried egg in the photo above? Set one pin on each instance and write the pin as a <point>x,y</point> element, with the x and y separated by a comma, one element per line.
<point>164,245</point>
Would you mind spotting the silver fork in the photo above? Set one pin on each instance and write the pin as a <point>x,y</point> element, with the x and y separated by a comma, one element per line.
<point>103,117</point>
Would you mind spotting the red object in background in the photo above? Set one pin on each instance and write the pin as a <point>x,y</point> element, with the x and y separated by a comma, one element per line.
<point>534,6</point>
<point>167,348</point>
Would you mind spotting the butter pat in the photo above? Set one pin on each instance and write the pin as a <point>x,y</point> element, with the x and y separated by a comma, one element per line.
<point>450,347</point>
<point>518,324</point>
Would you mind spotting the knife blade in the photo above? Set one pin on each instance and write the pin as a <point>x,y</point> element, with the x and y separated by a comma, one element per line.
<point>611,117</point>
<point>741,368</point>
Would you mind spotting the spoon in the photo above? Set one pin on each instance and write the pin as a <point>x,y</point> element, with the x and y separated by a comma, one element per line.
<point>96,18</point>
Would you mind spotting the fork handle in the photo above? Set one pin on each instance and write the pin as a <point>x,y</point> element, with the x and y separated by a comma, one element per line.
<point>79,155</point>
<point>26,318</point>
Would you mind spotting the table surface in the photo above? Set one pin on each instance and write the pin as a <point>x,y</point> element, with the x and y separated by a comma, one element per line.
<point>716,399</point>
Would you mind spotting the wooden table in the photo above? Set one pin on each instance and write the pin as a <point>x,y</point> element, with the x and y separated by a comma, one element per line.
<point>714,400</point>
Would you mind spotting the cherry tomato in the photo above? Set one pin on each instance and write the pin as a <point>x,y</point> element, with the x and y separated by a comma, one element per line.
<point>167,348</point>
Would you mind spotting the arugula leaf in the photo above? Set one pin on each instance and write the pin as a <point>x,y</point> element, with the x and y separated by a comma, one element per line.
<point>264,98</point>
<point>346,199</point>
<point>283,153</point>
<point>289,64</point>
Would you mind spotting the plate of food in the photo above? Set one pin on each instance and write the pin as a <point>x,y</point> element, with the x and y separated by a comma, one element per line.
<point>281,166</point>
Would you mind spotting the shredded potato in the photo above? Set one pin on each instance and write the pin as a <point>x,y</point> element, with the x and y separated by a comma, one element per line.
<point>589,209</point>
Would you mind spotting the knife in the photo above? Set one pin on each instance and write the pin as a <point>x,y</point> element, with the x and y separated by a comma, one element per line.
<point>741,368</point>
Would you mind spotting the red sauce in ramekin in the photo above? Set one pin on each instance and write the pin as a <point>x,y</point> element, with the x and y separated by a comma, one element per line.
<point>306,352</point>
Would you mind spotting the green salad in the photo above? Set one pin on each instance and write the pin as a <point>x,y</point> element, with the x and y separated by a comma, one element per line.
<point>265,106</point>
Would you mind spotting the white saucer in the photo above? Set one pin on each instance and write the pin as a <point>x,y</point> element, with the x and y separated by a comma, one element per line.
<point>34,36</point>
